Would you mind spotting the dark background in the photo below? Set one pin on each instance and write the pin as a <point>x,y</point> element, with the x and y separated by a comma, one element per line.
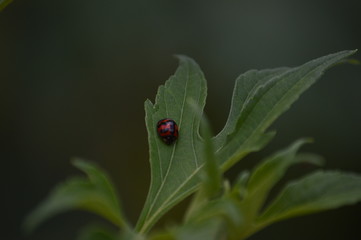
<point>74,76</point>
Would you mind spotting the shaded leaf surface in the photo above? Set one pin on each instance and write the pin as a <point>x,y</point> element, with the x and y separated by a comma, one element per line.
<point>258,99</point>
<point>210,230</point>
<point>212,180</point>
<point>266,175</point>
<point>95,194</point>
<point>316,192</point>
<point>174,168</point>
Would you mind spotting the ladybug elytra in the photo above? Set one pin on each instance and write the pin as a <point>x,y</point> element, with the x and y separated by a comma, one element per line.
<point>167,130</point>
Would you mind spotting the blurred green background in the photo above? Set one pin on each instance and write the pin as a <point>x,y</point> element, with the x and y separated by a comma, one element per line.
<point>75,74</point>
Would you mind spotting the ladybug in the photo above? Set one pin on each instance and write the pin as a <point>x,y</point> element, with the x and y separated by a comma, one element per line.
<point>167,130</point>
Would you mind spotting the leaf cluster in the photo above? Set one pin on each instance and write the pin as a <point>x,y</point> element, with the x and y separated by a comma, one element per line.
<point>195,163</point>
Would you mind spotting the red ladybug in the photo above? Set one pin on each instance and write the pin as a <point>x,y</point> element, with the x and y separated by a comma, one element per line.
<point>167,130</point>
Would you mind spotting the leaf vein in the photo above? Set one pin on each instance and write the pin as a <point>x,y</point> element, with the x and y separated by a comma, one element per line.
<point>174,146</point>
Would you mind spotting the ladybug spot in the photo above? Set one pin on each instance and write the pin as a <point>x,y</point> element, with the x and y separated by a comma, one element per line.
<point>167,130</point>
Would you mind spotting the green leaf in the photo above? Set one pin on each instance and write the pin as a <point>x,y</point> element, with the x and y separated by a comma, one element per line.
<point>263,178</point>
<point>246,86</point>
<point>316,192</point>
<point>225,207</point>
<point>95,194</point>
<point>267,174</point>
<point>97,232</point>
<point>174,168</point>
<point>260,97</point>
<point>213,176</point>
<point>239,189</point>
<point>210,230</point>
<point>4,3</point>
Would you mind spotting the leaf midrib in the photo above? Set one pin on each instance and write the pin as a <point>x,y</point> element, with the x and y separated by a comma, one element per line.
<point>169,166</point>
<point>160,209</point>
<point>155,215</point>
<point>275,105</point>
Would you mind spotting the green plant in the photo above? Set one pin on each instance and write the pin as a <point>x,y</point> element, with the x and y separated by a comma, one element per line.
<point>195,163</point>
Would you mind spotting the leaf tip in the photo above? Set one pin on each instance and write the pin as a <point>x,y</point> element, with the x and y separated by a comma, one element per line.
<point>78,162</point>
<point>184,59</point>
<point>305,140</point>
<point>84,165</point>
<point>181,56</point>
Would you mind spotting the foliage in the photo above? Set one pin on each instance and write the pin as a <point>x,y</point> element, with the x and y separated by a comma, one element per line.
<point>196,161</point>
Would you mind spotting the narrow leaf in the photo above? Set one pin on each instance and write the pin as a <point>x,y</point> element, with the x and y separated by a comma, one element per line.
<point>174,168</point>
<point>259,98</point>
<point>246,86</point>
<point>95,194</point>
<point>262,180</point>
<point>239,189</point>
<point>316,192</point>
<point>213,176</point>
<point>266,175</point>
